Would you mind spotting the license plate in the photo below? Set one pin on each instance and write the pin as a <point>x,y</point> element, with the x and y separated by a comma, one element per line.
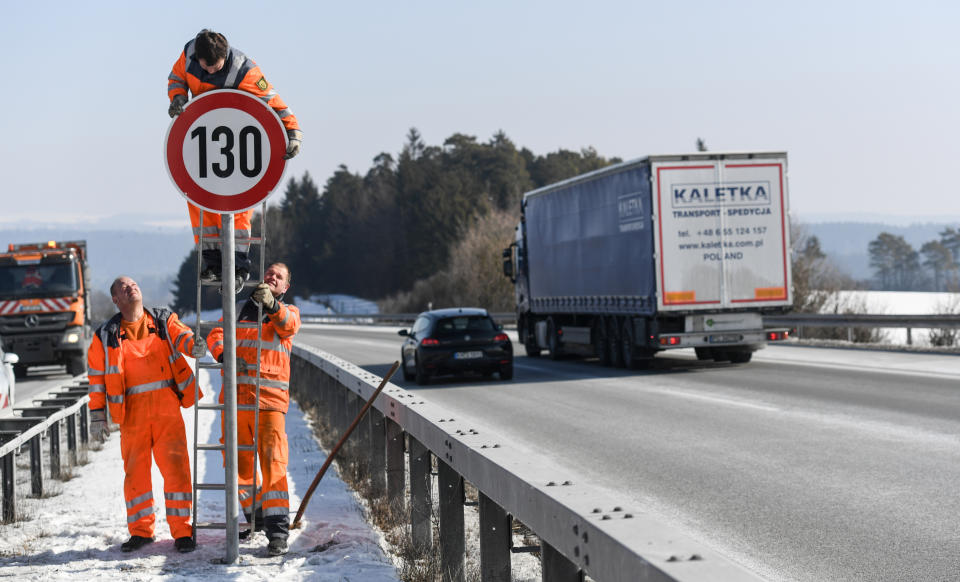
<point>724,338</point>
<point>467,355</point>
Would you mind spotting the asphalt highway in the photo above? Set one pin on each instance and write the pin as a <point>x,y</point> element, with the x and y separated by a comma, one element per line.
<point>807,464</point>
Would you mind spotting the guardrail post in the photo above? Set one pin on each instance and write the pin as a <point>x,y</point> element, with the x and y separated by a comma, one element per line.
<point>72,439</point>
<point>84,425</point>
<point>420,496</point>
<point>451,523</point>
<point>36,466</point>
<point>909,336</point>
<point>54,436</point>
<point>9,467</point>
<point>555,567</point>
<point>495,541</point>
<point>850,334</point>
<point>378,454</point>
<point>395,465</point>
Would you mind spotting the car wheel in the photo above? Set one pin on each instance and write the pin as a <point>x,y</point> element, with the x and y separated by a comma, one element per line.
<point>422,378</point>
<point>407,376</point>
<point>506,371</point>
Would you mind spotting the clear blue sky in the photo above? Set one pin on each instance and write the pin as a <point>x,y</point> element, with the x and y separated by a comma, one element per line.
<point>863,95</point>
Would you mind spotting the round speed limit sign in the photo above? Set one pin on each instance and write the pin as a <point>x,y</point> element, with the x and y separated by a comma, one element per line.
<point>225,151</point>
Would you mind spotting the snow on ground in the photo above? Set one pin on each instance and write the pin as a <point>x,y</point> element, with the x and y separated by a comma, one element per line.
<point>77,535</point>
<point>897,303</point>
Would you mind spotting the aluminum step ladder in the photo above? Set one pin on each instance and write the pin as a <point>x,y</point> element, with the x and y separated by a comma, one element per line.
<point>217,407</point>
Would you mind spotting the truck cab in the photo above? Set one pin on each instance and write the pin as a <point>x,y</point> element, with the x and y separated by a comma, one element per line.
<point>44,305</point>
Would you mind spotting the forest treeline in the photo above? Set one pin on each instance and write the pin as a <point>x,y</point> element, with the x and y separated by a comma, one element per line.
<point>897,266</point>
<point>411,228</point>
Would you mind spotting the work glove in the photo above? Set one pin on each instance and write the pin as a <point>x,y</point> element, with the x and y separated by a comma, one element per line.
<point>242,365</point>
<point>176,105</point>
<point>199,350</point>
<point>293,148</point>
<point>264,296</point>
<point>98,424</point>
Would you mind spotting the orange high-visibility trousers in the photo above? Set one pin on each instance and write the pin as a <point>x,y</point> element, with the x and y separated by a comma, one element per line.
<point>212,224</point>
<point>157,431</point>
<point>272,451</point>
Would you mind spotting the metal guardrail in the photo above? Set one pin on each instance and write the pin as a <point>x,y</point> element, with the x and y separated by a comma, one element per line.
<point>855,320</point>
<point>380,318</point>
<point>582,529</point>
<point>29,428</point>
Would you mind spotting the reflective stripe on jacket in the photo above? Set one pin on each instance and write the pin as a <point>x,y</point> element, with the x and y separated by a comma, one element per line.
<point>238,72</point>
<point>105,364</point>
<point>278,331</point>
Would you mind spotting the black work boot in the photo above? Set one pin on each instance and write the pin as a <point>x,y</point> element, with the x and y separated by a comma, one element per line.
<point>253,525</point>
<point>277,528</point>
<point>211,265</point>
<point>277,547</point>
<point>185,544</point>
<point>135,543</point>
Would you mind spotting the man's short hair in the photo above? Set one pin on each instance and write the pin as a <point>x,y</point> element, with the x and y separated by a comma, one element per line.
<point>210,46</point>
<point>113,286</point>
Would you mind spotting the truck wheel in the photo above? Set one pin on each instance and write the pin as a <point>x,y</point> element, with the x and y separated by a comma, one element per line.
<point>627,348</point>
<point>20,371</point>
<point>600,348</point>
<point>704,353</point>
<point>553,340</point>
<point>740,356</point>
<point>613,343</point>
<point>76,366</point>
<point>530,340</point>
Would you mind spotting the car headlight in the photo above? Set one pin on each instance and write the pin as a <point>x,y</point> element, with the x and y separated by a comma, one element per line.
<point>71,337</point>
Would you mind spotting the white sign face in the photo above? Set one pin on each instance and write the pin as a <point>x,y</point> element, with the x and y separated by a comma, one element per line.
<point>225,151</point>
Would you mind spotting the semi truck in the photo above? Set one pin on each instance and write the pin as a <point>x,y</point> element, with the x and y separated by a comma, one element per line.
<point>658,253</point>
<point>45,304</point>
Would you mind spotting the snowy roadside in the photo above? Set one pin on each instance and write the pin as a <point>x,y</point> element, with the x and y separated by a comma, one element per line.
<point>77,535</point>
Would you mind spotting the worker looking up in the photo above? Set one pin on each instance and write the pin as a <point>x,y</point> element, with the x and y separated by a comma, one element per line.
<point>137,370</point>
<point>208,62</point>
<point>271,508</point>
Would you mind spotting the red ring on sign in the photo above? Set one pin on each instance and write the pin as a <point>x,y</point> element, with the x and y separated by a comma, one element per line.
<point>268,120</point>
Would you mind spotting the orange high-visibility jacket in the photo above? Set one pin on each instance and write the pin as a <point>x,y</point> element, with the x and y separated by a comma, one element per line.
<point>105,364</point>
<point>278,331</point>
<point>238,72</point>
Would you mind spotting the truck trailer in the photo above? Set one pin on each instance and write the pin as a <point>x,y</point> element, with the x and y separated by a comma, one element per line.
<point>657,253</point>
<point>45,305</point>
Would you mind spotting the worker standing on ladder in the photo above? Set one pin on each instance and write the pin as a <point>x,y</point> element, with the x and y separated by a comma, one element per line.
<point>137,370</point>
<point>271,508</point>
<point>208,62</point>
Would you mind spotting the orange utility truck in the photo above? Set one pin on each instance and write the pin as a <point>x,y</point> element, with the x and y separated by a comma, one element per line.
<point>45,304</point>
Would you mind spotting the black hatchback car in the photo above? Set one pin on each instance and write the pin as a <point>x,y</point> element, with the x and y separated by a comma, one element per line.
<point>453,341</point>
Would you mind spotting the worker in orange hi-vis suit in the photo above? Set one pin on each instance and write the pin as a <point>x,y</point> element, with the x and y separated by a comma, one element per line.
<point>137,370</point>
<point>208,62</point>
<point>271,508</point>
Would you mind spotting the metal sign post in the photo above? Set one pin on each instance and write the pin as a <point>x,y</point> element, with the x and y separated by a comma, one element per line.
<point>229,388</point>
<point>225,154</point>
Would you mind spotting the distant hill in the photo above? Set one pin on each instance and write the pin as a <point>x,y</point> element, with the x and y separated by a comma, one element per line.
<point>846,242</point>
<point>150,255</point>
